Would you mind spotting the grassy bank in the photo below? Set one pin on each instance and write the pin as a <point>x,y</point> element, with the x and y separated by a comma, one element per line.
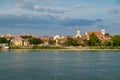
<point>37,47</point>
<point>104,47</point>
<point>68,48</point>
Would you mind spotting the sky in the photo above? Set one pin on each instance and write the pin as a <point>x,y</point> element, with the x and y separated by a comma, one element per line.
<point>59,17</point>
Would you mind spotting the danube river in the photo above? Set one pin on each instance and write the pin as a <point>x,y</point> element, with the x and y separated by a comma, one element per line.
<point>59,65</point>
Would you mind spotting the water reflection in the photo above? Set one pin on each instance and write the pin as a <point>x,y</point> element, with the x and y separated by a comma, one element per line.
<point>59,65</point>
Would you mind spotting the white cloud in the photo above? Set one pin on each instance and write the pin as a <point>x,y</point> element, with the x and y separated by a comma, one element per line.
<point>36,7</point>
<point>48,9</point>
<point>19,4</point>
<point>1,13</point>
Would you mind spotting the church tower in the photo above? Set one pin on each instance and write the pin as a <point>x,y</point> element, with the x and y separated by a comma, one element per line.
<point>78,34</point>
<point>103,31</point>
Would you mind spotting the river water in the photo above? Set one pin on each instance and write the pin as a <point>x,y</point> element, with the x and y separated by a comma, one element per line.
<point>59,65</point>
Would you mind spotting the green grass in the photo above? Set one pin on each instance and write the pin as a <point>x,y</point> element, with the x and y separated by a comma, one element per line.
<point>46,47</point>
<point>37,47</point>
<point>104,47</point>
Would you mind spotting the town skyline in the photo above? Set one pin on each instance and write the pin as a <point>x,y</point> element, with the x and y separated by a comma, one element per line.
<point>75,33</point>
<point>58,17</point>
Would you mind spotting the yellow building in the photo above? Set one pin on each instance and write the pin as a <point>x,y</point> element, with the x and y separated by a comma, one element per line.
<point>18,41</point>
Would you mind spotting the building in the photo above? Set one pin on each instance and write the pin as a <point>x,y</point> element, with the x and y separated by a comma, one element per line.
<point>45,39</point>
<point>78,35</point>
<point>107,37</point>
<point>60,39</point>
<point>17,41</point>
<point>9,36</point>
<point>99,34</point>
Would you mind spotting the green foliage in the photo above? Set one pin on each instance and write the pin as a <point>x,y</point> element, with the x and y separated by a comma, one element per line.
<point>51,42</point>
<point>35,41</point>
<point>104,47</point>
<point>86,42</point>
<point>26,37</point>
<point>14,47</point>
<point>3,40</point>
<point>116,40</point>
<point>93,40</point>
<point>46,47</point>
<point>107,34</point>
<point>71,42</point>
<point>107,43</point>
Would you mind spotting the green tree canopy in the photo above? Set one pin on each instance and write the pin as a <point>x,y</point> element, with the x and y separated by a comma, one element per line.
<point>51,42</point>
<point>26,37</point>
<point>71,42</point>
<point>3,40</point>
<point>93,40</point>
<point>107,43</point>
<point>107,34</point>
<point>35,41</point>
<point>116,40</point>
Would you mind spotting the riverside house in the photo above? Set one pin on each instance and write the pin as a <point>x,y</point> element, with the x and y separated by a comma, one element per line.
<point>100,34</point>
<point>18,41</point>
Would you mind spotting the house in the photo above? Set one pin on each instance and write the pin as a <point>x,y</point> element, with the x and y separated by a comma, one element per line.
<point>107,37</point>
<point>17,41</point>
<point>99,34</point>
<point>45,39</point>
<point>9,36</point>
<point>60,39</point>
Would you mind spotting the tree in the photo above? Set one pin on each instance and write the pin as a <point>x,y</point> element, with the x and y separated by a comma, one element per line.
<point>86,42</point>
<point>71,42</point>
<point>93,40</point>
<point>26,37</point>
<point>74,42</point>
<point>107,43</point>
<point>107,34</point>
<point>116,40</point>
<point>3,40</point>
<point>51,42</point>
<point>35,41</point>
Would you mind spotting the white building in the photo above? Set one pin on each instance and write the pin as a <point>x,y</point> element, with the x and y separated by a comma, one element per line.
<point>78,35</point>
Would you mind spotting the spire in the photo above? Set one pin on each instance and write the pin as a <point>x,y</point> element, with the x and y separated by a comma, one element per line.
<point>103,31</point>
<point>78,33</point>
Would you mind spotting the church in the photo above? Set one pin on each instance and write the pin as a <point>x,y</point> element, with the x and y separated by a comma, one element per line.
<point>100,34</point>
<point>78,35</point>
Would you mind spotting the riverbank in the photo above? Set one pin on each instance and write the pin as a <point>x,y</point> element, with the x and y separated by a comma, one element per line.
<point>67,48</point>
<point>78,48</point>
<point>64,49</point>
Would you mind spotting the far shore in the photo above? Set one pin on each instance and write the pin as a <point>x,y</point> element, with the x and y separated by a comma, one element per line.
<point>69,49</point>
<point>72,48</point>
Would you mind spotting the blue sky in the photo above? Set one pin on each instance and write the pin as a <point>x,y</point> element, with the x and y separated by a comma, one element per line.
<point>63,17</point>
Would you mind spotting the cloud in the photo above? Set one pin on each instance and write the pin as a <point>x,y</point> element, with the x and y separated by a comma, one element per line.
<point>43,21</point>
<point>58,14</point>
<point>78,22</point>
<point>34,7</point>
<point>116,24</point>
<point>118,1</point>
<point>115,11</point>
<point>48,9</point>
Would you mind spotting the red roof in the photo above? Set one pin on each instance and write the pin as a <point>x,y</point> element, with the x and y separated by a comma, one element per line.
<point>45,38</point>
<point>83,36</point>
<point>97,33</point>
<point>107,37</point>
<point>9,37</point>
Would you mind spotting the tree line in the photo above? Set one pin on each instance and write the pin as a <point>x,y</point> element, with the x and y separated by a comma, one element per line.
<point>93,41</point>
